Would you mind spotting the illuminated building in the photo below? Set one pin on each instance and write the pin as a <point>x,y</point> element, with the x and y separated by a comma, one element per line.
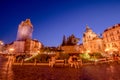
<point>32,46</point>
<point>25,30</point>
<point>28,46</point>
<point>111,37</point>
<point>24,43</point>
<point>92,42</point>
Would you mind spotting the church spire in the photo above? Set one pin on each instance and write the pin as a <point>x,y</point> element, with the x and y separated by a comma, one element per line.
<point>88,28</point>
<point>27,22</point>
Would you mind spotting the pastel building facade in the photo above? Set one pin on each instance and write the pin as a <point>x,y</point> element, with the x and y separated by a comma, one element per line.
<point>111,37</point>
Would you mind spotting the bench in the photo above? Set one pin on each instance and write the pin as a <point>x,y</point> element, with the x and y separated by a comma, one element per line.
<point>60,62</point>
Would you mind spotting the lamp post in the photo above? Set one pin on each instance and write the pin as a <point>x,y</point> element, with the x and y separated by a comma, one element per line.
<point>110,51</point>
<point>1,46</point>
<point>11,50</point>
<point>1,43</point>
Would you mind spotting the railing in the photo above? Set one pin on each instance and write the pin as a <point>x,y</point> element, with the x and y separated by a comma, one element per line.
<point>60,62</point>
<point>64,62</point>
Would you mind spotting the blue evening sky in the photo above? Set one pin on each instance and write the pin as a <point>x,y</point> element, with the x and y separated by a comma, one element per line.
<point>54,18</point>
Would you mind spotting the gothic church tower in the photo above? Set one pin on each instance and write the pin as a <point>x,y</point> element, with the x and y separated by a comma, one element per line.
<point>25,30</point>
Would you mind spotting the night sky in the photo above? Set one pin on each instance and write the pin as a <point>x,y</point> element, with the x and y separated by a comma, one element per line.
<point>52,19</point>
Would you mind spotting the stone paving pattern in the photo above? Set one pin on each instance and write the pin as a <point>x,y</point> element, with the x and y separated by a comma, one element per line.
<point>89,72</point>
<point>104,71</point>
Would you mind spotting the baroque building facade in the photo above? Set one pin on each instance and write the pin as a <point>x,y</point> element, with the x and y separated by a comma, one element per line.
<point>92,43</point>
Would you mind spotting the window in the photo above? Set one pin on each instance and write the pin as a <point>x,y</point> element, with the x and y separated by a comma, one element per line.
<point>117,31</point>
<point>104,45</point>
<point>119,37</point>
<point>106,35</point>
<point>99,47</point>
<point>111,33</point>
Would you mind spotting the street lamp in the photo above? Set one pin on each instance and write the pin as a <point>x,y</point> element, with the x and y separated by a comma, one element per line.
<point>1,43</point>
<point>1,46</point>
<point>11,50</point>
<point>110,50</point>
<point>87,51</point>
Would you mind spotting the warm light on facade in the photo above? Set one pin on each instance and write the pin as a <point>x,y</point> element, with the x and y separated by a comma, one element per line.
<point>11,50</point>
<point>87,51</point>
<point>107,49</point>
<point>92,42</point>
<point>1,43</point>
<point>111,49</point>
<point>38,51</point>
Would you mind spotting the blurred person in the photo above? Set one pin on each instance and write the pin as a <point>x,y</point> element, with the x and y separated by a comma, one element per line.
<point>70,61</point>
<point>75,61</point>
<point>52,61</point>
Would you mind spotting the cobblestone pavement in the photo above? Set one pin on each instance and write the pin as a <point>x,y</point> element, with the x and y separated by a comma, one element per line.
<point>5,68</point>
<point>89,72</point>
<point>104,71</point>
<point>2,68</point>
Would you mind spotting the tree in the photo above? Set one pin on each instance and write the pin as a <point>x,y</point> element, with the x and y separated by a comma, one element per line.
<point>64,41</point>
<point>72,40</point>
<point>85,56</point>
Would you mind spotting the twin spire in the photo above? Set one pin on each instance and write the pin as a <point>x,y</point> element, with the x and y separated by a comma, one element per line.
<point>27,22</point>
<point>25,30</point>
